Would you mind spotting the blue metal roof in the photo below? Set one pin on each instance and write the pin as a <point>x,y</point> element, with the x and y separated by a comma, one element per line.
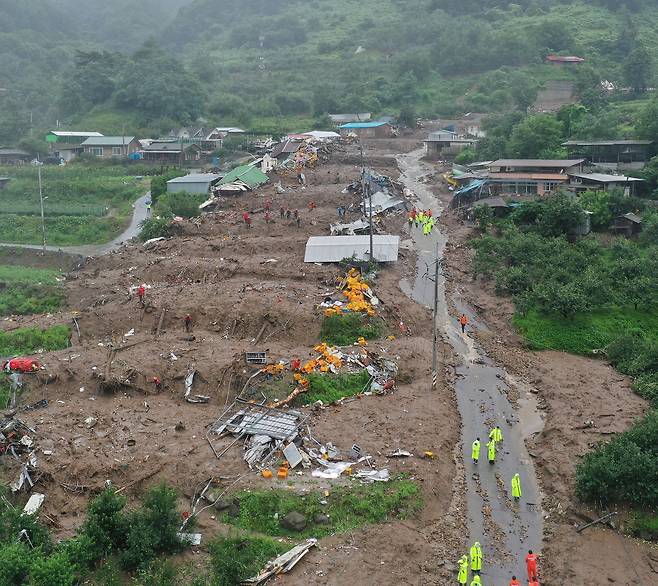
<point>471,186</point>
<point>363,124</point>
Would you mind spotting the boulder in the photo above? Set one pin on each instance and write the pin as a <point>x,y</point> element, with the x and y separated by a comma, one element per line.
<point>294,521</point>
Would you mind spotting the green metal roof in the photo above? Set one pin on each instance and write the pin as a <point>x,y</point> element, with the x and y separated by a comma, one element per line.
<point>252,176</point>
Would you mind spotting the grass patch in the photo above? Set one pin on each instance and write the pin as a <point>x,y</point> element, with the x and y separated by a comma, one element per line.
<point>348,508</point>
<point>329,388</point>
<point>16,274</point>
<point>5,395</point>
<point>29,340</point>
<point>235,558</point>
<point>644,525</point>
<point>585,332</point>
<point>344,330</point>
<point>87,204</point>
<point>28,290</point>
<point>28,299</point>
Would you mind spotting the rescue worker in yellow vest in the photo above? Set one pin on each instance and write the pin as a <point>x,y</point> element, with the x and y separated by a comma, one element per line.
<point>475,451</point>
<point>476,557</point>
<point>476,581</point>
<point>462,577</point>
<point>516,487</point>
<point>491,451</point>
<point>496,434</point>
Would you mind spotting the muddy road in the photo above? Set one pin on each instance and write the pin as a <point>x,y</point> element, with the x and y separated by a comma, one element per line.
<point>505,529</point>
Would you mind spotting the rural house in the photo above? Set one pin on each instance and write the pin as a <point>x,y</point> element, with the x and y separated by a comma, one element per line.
<point>171,152</point>
<point>367,129</point>
<point>580,182</point>
<point>445,143</point>
<point>107,147</point>
<point>11,156</point>
<point>611,154</point>
<point>70,137</point>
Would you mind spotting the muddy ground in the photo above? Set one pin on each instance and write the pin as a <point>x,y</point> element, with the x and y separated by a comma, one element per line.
<point>239,285</point>
<point>572,391</point>
<point>218,271</point>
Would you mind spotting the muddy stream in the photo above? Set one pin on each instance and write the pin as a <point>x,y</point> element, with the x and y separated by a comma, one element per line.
<point>505,529</point>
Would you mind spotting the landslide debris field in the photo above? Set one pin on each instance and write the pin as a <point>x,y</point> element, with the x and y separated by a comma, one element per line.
<point>247,290</point>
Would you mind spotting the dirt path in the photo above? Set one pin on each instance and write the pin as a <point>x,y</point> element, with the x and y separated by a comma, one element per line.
<point>506,531</point>
<point>140,213</point>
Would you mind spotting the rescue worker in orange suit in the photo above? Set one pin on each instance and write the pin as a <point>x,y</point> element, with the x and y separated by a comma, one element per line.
<point>463,320</point>
<point>533,582</point>
<point>158,383</point>
<point>514,582</point>
<point>188,323</point>
<point>247,219</point>
<point>531,564</point>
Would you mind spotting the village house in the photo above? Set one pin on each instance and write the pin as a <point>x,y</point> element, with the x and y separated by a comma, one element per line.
<point>580,182</point>
<point>171,152</point>
<point>347,118</point>
<point>530,176</point>
<point>106,147</point>
<point>368,129</point>
<point>66,145</point>
<point>12,156</point>
<point>611,154</point>
<point>444,143</point>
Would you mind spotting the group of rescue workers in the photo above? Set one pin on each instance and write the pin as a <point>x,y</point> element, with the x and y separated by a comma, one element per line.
<point>422,218</point>
<point>495,438</point>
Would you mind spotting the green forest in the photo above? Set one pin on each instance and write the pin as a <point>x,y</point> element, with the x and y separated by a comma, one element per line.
<point>146,66</point>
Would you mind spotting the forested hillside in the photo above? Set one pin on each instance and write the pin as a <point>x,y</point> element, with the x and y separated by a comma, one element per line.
<point>252,61</point>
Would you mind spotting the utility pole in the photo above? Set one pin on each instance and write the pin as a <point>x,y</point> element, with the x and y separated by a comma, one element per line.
<point>43,219</point>
<point>435,324</point>
<point>367,191</point>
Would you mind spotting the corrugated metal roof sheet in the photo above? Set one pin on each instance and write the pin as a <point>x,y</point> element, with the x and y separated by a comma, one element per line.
<point>252,176</point>
<point>557,163</point>
<point>108,140</point>
<point>528,176</point>
<point>66,133</point>
<point>363,125</point>
<point>336,248</point>
<point>606,142</point>
<point>604,178</point>
<point>196,178</point>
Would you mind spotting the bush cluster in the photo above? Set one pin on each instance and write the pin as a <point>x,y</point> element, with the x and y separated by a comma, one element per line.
<point>345,329</point>
<point>134,538</point>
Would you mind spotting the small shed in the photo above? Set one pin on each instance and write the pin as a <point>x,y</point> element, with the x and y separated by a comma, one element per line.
<point>628,225</point>
<point>193,183</point>
<point>497,204</point>
<point>335,248</point>
<point>3,182</point>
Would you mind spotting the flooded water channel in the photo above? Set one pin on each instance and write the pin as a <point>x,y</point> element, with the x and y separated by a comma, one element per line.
<point>506,530</point>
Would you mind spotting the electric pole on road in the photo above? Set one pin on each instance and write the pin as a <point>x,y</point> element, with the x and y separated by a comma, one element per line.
<point>435,324</point>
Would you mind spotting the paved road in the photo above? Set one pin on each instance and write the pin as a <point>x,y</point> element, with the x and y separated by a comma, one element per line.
<point>139,214</point>
<point>506,531</point>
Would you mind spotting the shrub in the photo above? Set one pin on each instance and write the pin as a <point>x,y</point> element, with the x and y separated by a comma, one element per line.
<point>235,559</point>
<point>105,525</point>
<point>15,563</point>
<point>152,529</point>
<point>25,299</point>
<point>624,470</point>
<point>329,388</point>
<point>181,204</point>
<point>54,570</point>
<point>155,227</point>
<point>343,330</point>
